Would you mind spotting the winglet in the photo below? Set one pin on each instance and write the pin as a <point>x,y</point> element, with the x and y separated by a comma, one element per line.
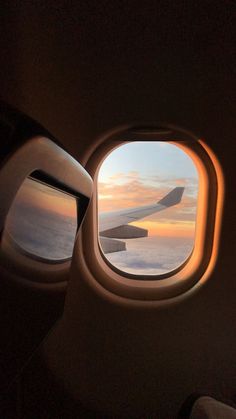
<point>173,197</point>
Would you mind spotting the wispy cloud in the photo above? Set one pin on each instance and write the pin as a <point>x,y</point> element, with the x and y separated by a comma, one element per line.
<point>137,191</point>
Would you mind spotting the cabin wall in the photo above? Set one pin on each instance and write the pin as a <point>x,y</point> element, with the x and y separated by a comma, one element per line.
<point>81,70</point>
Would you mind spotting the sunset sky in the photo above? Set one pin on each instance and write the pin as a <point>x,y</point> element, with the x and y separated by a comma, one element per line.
<point>34,193</point>
<point>141,173</point>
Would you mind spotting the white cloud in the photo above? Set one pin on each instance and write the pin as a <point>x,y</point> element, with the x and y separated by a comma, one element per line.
<point>152,255</point>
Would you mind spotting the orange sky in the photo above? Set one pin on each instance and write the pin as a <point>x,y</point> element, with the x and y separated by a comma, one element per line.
<point>36,194</point>
<point>178,221</point>
<point>167,229</point>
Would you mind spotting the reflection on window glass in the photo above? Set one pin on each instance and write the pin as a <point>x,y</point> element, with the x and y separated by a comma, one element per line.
<point>42,221</point>
<point>147,202</point>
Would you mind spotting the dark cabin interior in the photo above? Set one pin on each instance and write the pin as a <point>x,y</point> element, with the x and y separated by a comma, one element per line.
<point>80,69</point>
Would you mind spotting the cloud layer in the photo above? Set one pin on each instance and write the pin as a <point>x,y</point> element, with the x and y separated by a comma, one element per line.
<point>152,256</point>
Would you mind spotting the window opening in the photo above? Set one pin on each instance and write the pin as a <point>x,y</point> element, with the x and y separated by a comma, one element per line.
<point>147,204</point>
<point>42,221</point>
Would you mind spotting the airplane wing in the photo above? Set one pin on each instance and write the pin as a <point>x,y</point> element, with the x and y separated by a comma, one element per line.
<point>115,224</point>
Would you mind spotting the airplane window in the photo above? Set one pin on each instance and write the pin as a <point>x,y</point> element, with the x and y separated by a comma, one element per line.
<point>42,221</point>
<point>147,203</point>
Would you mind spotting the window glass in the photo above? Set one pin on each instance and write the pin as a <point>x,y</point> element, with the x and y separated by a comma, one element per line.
<point>42,221</point>
<point>147,203</point>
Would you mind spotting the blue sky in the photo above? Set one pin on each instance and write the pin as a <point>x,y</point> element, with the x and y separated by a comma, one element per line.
<point>149,159</point>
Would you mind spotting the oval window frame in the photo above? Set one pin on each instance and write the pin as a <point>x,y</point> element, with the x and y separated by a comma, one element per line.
<point>197,268</point>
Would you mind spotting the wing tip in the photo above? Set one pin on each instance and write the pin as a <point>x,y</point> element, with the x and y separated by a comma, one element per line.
<point>173,197</point>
